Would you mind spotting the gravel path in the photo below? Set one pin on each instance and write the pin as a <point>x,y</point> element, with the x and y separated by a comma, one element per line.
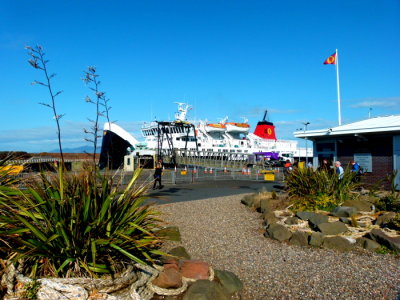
<point>229,236</point>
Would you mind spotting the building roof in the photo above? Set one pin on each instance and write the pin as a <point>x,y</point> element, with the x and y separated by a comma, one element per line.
<point>372,125</point>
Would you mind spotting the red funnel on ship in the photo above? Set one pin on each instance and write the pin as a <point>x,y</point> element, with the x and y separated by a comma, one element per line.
<point>265,129</point>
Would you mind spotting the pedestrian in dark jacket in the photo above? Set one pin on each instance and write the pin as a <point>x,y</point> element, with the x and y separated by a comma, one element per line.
<point>157,176</point>
<point>355,167</point>
<point>325,166</point>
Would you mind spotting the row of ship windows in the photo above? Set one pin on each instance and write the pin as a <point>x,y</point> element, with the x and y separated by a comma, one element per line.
<point>224,150</point>
<point>185,138</point>
<point>164,130</point>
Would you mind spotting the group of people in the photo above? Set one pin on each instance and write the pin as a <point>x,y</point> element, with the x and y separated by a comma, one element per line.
<point>355,168</point>
<point>326,166</point>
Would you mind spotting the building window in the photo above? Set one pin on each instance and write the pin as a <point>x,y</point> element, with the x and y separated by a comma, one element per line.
<point>326,147</point>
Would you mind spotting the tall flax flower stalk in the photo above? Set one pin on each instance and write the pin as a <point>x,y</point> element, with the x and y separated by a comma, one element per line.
<point>39,62</point>
<point>102,108</point>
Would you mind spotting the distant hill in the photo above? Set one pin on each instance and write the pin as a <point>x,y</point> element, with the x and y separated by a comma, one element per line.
<point>81,149</point>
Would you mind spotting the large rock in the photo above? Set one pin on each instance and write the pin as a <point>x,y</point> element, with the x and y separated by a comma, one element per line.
<point>304,215</point>
<point>332,228</point>
<point>171,264</point>
<point>292,221</point>
<point>344,211</point>
<point>247,200</point>
<point>168,279</point>
<point>195,269</point>
<point>368,244</point>
<point>345,220</point>
<point>359,204</point>
<point>384,219</point>
<point>369,198</point>
<point>206,290</point>
<point>269,218</point>
<point>316,219</point>
<point>337,243</point>
<point>382,238</point>
<point>313,218</point>
<point>316,239</point>
<point>278,232</point>
<point>229,281</point>
<point>180,252</point>
<point>265,205</point>
<point>299,238</point>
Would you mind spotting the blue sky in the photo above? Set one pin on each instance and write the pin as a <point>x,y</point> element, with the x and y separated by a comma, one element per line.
<point>233,58</point>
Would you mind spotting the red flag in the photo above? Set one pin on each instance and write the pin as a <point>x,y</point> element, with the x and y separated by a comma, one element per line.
<point>331,60</point>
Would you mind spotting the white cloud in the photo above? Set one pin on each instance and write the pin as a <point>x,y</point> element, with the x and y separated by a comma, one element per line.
<point>43,138</point>
<point>389,102</point>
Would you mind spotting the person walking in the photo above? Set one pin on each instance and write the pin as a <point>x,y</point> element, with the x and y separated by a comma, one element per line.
<point>325,166</point>
<point>339,169</point>
<point>157,176</point>
<point>355,167</point>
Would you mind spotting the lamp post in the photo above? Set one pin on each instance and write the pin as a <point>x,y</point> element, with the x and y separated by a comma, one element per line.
<point>305,129</point>
<point>298,129</point>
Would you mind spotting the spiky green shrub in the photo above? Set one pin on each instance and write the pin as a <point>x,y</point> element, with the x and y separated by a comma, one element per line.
<point>78,225</point>
<point>7,179</point>
<point>391,201</point>
<point>395,222</point>
<point>312,189</point>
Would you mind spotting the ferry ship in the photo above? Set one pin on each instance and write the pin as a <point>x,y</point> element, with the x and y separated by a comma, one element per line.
<point>203,136</point>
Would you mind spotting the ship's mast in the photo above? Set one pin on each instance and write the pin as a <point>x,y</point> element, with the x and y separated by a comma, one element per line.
<point>183,108</point>
<point>265,115</point>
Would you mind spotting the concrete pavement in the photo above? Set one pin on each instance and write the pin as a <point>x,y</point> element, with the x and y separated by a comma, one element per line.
<point>204,190</point>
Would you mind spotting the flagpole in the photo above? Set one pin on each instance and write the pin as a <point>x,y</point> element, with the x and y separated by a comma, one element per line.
<point>338,87</point>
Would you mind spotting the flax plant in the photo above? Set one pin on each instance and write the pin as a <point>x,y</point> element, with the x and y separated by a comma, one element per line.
<point>95,228</point>
<point>38,62</point>
<point>312,189</point>
<point>100,101</point>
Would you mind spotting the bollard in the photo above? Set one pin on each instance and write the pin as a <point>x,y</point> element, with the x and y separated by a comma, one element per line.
<point>173,177</point>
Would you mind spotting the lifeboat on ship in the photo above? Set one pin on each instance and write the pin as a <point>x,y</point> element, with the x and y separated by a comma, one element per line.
<point>237,127</point>
<point>215,127</point>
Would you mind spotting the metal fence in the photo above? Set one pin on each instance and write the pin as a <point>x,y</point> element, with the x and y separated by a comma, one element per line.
<point>184,175</point>
<point>193,175</point>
